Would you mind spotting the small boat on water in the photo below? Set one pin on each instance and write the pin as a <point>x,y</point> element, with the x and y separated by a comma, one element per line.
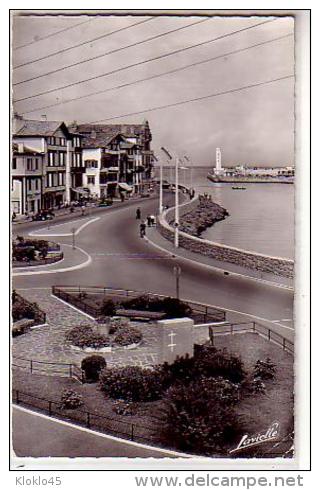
<point>238,188</point>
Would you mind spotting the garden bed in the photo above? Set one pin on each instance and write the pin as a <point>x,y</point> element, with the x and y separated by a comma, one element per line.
<point>256,412</point>
<point>34,252</point>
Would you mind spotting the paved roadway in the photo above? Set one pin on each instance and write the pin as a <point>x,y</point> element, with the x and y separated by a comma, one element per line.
<point>30,438</point>
<point>121,259</point>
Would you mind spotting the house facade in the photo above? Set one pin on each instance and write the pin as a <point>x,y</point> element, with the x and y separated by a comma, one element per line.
<point>62,165</point>
<point>117,158</point>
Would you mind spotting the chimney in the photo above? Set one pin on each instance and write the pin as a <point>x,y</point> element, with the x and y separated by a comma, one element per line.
<point>20,147</point>
<point>43,117</point>
<point>17,122</point>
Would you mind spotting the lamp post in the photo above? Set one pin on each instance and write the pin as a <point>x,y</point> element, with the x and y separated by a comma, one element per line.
<point>73,231</point>
<point>177,274</point>
<point>176,213</point>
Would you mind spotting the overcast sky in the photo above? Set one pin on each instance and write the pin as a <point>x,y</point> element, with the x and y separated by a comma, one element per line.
<point>253,126</point>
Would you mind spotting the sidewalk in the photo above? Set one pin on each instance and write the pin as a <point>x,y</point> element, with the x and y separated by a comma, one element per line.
<point>65,212</point>
<point>156,239</point>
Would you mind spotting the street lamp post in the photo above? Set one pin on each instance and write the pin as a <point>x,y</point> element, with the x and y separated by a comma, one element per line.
<point>73,231</point>
<point>177,274</point>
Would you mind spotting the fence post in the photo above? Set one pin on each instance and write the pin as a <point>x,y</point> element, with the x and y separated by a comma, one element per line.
<point>132,432</point>
<point>269,334</point>
<point>254,326</point>
<point>17,397</point>
<point>70,370</point>
<point>50,407</point>
<point>31,366</point>
<point>284,343</point>
<point>88,419</point>
<point>231,328</point>
<point>206,314</point>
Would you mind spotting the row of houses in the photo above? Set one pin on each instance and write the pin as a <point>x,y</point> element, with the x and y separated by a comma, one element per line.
<point>54,163</point>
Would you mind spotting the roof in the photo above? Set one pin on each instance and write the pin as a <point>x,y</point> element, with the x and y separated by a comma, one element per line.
<point>41,128</point>
<point>100,135</point>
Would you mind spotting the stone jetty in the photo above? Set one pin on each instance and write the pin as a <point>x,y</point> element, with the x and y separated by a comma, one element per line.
<point>202,217</point>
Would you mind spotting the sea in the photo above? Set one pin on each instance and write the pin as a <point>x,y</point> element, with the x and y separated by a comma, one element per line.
<point>261,217</point>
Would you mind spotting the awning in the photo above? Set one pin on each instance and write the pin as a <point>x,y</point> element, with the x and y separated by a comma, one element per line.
<point>81,190</point>
<point>125,187</point>
<point>109,169</point>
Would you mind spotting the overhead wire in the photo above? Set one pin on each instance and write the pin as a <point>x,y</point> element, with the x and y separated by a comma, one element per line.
<point>152,77</point>
<point>83,43</point>
<point>196,99</point>
<point>171,53</point>
<point>52,34</point>
<point>102,55</point>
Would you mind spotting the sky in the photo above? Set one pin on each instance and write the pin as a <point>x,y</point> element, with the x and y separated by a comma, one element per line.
<point>253,126</point>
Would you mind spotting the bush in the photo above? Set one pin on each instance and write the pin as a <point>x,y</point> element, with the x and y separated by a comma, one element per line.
<point>127,336</point>
<point>108,308</point>
<point>132,383</point>
<point>200,417</point>
<point>211,362</point>
<point>92,365</point>
<point>118,323</point>
<point>22,310</point>
<point>84,336</point>
<point>172,307</point>
<point>181,370</point>
<point>264,369</point>
<point>71,399</point>
<point>21,327</point>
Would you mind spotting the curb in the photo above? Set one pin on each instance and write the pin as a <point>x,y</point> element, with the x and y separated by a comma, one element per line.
<point>218,269</point>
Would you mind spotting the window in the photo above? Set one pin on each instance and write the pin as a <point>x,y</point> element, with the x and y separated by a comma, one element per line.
<point>29,184</point>
<point>37,182</point>
<point>49,180</point>
<point>51,159</point>
<point>29,163</point>
<point>90,179</point>
<point>14,164</point>
<point>62,142</point>
<point>78,160</point>
<point>36,164</point>
<point>62,159</point>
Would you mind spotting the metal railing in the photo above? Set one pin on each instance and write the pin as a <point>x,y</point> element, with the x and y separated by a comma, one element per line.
<point>63,369</point>
<point>200,312</point>
<point>267,333</point>
<point>109,425</point>
<point>39,315</point>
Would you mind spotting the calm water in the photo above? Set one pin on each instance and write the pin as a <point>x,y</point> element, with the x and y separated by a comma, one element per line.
<point>261,217</point>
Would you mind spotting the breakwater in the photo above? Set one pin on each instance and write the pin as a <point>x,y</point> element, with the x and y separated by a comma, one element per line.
<point>204,215</point>
<point>244,258</point>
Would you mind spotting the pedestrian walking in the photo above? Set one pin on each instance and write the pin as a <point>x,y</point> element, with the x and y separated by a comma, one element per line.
<point>138,213</point>
<point>142,229</point>
<point>82,210</point>
<point>152,220</point>
<point>149,220</point>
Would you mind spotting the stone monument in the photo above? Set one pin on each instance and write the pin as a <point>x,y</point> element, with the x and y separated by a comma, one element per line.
<point>176,337</point>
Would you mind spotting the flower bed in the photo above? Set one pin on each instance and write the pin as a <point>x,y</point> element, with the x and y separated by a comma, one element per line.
<point>32,252</point>
<point>88,339</point>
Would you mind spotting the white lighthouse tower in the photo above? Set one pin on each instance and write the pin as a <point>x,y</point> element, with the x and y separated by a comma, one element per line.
<point>218,170</point>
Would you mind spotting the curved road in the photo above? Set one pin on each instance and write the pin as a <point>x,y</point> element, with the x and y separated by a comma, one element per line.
<point>121,259</point>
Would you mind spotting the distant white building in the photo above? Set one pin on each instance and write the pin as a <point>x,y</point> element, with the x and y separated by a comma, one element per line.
<point>218,169</point>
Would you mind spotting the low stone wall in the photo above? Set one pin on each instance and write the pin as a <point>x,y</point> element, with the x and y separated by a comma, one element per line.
<point>263,263</point>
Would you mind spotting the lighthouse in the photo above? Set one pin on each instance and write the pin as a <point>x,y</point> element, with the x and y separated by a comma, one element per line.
<point>218,170</point>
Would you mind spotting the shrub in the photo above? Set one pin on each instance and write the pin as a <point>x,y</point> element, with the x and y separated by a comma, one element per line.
<point>127,336</point>
<point>92,365</point>
<point>21,327</point>
<point>200,417</point>
<point>211,362</point>
<point>264,369</point>
<point>22,310</point>
<point>84,336</point>
<point>172,307</point>
<point>71,399</point>
<point>108,308</point>
<point>118,323</point>
<point>132,383</point>
<point>181,370</point>
<point>124,408</point>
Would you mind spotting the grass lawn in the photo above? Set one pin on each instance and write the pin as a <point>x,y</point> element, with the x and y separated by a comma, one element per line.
<point>257,412</point>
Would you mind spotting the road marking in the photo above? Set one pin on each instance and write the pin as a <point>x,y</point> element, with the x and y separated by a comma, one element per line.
<point>218,269</point>
<point>38,231</point>
<point>105,436</point>
<point>56,271</point>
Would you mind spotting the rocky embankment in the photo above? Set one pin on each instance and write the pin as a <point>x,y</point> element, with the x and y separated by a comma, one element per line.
<point>202,217</point>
